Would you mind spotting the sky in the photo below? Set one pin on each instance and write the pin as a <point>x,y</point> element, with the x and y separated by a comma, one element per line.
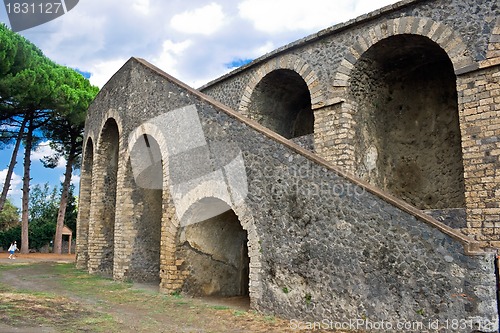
<point>196,41</point>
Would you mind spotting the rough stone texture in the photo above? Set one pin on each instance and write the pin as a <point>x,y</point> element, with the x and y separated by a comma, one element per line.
<point>321,244</point>
<point>82,230</point>
<point>397,127</point>
<point>215,254</point>
<point>455,218</point>
<point>103,201</point>
<point>407,128</point>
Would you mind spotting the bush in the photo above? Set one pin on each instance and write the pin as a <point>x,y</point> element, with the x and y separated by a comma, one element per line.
<point>10,235</point>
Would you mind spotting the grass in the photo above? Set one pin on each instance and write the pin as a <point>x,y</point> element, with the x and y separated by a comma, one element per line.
<point>24,308</point>
<point>69,300</point>
<point>38,308</point>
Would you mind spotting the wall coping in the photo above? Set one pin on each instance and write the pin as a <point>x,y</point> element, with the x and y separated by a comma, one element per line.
<point>315,37</point>
<point>471,246</point>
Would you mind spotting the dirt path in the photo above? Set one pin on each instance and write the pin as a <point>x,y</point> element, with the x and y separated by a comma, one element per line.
<point>45,293</point>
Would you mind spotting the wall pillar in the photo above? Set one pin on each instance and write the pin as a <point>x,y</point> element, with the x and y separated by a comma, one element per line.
<point>83,219</point>
<point>479,110</point>
<point>334,133</point>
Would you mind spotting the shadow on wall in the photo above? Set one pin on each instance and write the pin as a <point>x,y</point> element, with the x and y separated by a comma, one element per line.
<point>215,254</point>
<point>408,139</point>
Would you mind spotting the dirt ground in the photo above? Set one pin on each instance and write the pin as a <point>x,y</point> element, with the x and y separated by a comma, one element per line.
<point>37,297</point>
<point>37,257</point>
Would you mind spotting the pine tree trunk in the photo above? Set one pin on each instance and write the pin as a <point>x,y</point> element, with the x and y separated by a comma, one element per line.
<point>12,164</point>
<point>26,188</point>
<point>64,202</point>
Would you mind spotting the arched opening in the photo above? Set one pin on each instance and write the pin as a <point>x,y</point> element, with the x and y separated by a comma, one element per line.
<point>214,252</point>
<point>407,134</point>
<point>104,200</point>
<point>145,175</point>
<point>281,101</point>
<point>82,229</point>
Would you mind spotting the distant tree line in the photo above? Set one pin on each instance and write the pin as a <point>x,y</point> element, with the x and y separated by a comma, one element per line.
<point>44,207</point>
<point>40,100</point>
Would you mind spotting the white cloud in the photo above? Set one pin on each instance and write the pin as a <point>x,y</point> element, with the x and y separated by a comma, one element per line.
<point>102,71</point>
<point>15,183</point>
<point>141,6</point>
<point>77,36</point>
<point>193,41</point>
<point>170,54</point>
<point>44,150</point>
<point>205,20</point>
<point>263,49</point>
<point>283,15</point>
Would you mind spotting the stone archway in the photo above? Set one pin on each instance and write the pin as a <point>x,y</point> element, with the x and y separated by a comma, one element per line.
<point>84,205</point>
<point>214,253</point>
<point>142,193</point>
<point>281,101</point>
<point>103,202</point>
<point>408,139</point>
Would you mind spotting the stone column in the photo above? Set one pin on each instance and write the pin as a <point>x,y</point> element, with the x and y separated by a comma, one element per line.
<point>334,133</point>
<point>479,109</point>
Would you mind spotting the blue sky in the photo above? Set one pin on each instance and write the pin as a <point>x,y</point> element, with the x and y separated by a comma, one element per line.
<point>40,174</point>
<point>196,41</point>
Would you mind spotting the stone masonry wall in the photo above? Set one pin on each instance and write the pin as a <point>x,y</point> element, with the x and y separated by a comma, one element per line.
<point>480,119</point>
<point>468,33</point>
<point>322,245</point>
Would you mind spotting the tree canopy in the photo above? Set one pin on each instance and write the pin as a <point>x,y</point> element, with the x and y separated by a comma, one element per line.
<point>40,96</point>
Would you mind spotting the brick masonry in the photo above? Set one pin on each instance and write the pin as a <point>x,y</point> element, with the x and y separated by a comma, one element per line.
<point>468,31</point>
<point>322,243</point>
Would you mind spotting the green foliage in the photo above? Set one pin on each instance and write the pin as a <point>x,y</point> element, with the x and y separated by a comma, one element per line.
<point>43,203</point>
<point>36,92</point>
<point>10,235</point>
<point>9,216</point>
<point>43,215</point>
<point>71,210</point>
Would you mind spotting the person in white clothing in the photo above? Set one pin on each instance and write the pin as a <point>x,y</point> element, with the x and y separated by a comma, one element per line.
<point>12,249</point>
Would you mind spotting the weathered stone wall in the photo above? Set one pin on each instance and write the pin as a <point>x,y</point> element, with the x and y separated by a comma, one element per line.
<point>406,122</point>
<point>103,201</point>
<point>321,244</point>
<point>214,253</point>
<point>324,59</point>
<point>401,42</point>
<point>82,230</point>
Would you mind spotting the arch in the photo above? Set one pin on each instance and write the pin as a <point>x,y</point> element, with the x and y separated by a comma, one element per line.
<point>407,138</point>
<point>192,163</point>
<point>282,94</point>
<point>494,43</point>
<point>218,253</point>
<point>292,63</point>
<point>103,199</point>
<point>140,215</point>
<point>95,132</point>
<point>84,203</point>
<point>438,32</point>
<point>194,167</point>
<point>281,101</point>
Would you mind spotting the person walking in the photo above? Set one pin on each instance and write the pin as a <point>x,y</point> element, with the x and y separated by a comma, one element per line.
<point>12,249</point>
